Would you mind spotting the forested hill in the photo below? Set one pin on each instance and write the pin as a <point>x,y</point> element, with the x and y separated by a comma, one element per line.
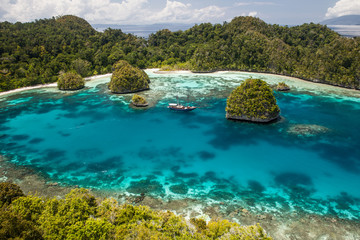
<point>310,51</point>
<point>36,52</point>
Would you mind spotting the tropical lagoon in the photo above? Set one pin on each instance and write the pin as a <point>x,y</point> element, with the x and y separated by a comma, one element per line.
<point>308,162</point>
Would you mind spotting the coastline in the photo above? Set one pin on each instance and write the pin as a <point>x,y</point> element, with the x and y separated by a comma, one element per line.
<point>281,225</point>
<point>49,85</point>
<point>158,71</point>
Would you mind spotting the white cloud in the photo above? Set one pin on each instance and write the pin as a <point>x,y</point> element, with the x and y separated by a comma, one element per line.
<point>344,7</point>
<point>239,4</point>
<point>107,11</point>
<point>252,14</point>
<point>175,11</point>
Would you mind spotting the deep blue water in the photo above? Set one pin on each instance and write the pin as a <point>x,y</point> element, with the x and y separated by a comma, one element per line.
<point>94,139</point>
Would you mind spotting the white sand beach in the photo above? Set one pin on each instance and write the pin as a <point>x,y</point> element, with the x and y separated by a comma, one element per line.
<point>49,85</point>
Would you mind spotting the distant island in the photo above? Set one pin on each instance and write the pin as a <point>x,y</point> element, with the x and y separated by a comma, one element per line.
<point>36,52</point>
<point>343,20</point>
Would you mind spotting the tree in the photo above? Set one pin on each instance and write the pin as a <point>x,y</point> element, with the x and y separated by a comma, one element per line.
<point>70,81</point>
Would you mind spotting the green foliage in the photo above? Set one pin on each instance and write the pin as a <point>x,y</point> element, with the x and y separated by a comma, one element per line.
<point>91,229</point>
<point>81,216</point>
<point>310,51</point>
<point>35,53</point>
<point>70,81</point>
<point>82,67</point>
<point>61,217</point>
<point>138,100</point>
<point>126,78</point>
<point>9,192</point>
<point>254,101</point>
<point>29,207</point>
<point>14,226</point>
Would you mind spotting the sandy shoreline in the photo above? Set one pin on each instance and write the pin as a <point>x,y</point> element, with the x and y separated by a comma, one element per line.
<point>310,84</point>
<point>49,85</point>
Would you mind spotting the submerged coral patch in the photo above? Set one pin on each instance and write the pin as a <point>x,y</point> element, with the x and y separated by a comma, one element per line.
<point>54,154</point>
<point>205,155</point>
<point>256,186</point>
<point>221,195</point>
<point>291,179</point>
<point>88,153</point>
<point>107,164</point>
<point>36,140</point>
<point>20,137</point>
<point>307,130</point>
<point>146,186</point>
<point>179,189</point>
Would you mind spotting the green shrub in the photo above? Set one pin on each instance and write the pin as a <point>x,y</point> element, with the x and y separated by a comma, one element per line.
<point>138,100</point>
<point>59,216</point>
<point>9,192</point>
<point>252,101</point>
<point>29,207</point>
<point>81,216</point>
<point>70,81</point>
<point>14,226</point>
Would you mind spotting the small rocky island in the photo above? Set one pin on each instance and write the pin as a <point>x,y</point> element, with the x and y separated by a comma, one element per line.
<point>128,79</point>
<point>252,101</point>
<point>70,81</point>
<point>282,86</point>
<point>139,101</point>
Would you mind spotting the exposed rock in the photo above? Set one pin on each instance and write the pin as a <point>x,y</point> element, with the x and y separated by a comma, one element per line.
<point>282,87</point>
<point>252,101</point>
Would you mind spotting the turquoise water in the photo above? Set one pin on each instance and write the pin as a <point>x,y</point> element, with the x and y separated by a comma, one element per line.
<point>308,161</point>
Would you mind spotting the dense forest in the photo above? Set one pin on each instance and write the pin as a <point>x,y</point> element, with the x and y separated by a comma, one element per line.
<point>82,216</point>
<point>37,52</point>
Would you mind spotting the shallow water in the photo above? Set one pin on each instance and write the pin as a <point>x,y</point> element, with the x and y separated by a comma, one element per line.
<point>309,161</point>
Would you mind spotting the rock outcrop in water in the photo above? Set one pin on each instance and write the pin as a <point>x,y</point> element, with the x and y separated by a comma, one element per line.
<point>282,87</point>
<point>128,79</point>
<point>252,101</point>
<point>139,101</point>
<point>70,81</point>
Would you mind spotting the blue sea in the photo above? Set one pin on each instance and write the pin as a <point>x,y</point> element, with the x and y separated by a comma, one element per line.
<point>308,161</point>
<point>145,30</point>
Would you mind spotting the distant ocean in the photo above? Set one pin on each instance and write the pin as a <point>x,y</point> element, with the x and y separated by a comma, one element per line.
<point>145,30</point>
<point>346,30</point>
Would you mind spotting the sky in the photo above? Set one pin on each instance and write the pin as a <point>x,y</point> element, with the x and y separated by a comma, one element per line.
<point>283,12</point>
